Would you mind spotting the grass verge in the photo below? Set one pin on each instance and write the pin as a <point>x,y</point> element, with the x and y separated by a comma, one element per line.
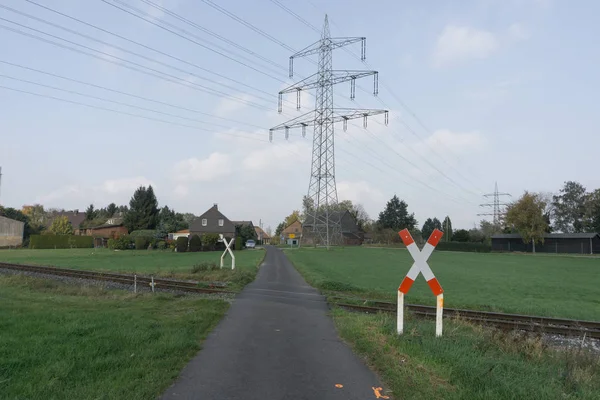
<point>61,341</point>
<point>548,285</point>
<point>468,362</point>
<point>165,264</point>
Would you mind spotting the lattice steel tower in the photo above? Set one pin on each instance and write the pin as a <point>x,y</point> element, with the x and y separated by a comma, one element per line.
<point>326,225</point>
<point>497,213</point>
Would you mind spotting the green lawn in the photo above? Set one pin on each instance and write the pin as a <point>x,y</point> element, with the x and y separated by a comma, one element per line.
<point>61,341</point>
<point>467,362</point>
<point>146,262</point>
<point>550,285</point>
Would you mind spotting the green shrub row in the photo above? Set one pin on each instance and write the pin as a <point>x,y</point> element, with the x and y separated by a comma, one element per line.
<point>120,243</point>
<point>464,246</point>
<point>60,242</point>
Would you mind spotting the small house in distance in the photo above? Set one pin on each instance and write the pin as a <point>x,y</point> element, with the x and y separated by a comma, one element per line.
<point>576,243</point>
<point>263,237</point>
<point>292,233</point>
<point>351,233</point>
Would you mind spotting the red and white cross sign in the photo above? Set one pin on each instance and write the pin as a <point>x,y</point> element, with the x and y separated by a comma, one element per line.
<point>420,265</point>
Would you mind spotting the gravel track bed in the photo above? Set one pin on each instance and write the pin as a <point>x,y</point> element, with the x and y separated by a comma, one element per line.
<point>141,288</point>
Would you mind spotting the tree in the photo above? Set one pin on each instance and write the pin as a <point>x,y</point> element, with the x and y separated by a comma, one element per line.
<point>90,213</point>
<point>61,226</point>
<point>308,207</point>
<point>111,210</point>
<point>28,228</point>
<point>143,210</point>
<point>461,235</point>
<point>188,218</point>
<point>169,221</point>
<point>569,208</point>
<point>526,215</point>
<point>447,228</point>
<point>396,217</point>
<point>245,232</point>
<point>359,214</point>
<point>195,243</point>
<point>592,211</point>
<point>279,229</point>
<point>487,229</point>
<point>427,228</point>
<point>293,217</point>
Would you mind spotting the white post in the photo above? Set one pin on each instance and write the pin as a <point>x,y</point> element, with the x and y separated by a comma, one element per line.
<point>134,283</point>
<point>438,315</point>
<point>152,284</point>
<point>400,313</point>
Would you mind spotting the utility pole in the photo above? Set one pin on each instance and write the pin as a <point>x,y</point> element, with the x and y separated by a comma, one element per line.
<point>326,225</point>
<point>497,213</point>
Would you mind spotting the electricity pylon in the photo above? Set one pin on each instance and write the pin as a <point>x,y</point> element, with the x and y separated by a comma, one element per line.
<point>497,213</point>
<point>326,224</point>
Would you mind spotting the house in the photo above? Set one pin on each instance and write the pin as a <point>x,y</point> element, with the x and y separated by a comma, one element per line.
<point>75,218</point>
<point>352,235</point>
<point>263,237</point>
<point>292,233</point>
<point>106,230</point>
<point>580,243</point>
<point>213,221</point>
<point>181,233</point>
<point>11,232</point>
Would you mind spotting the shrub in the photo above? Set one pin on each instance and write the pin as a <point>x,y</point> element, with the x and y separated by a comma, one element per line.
<point>210,240</point>
<point>195,243</point>
<point>182,244</point>
<point>161,245</point>
<point>120,243</point>
<point>205,266</point>
<point>238,243</point>
<point>464,246</point>
<point>242,278</point>
<point>141,243</point>
<point>148,233</point>
<point>60,242</point>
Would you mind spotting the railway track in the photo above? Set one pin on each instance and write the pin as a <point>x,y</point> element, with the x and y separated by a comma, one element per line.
<point>560,326</point>
<point>118,278</point>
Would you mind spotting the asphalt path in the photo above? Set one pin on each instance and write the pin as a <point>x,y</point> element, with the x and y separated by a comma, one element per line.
<point>276,342</point>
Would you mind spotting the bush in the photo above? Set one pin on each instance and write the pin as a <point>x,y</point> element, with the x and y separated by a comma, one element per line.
<point>147,233</point>
<point>464,246</point>
<point>182,244</point>
<point>161,245</point>
<point>205,266</point>
<point>195,243</point>
<point>60,242</point>
<point>210,240</point>
<point>120,243</point>
<point>238,243</point>
<point>141,243</point>
<point>242,278</point>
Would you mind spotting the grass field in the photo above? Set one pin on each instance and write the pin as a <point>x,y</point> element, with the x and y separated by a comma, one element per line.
<point>61,341</point>
<point>549,285</point>
<point>159,263</point>
<point>468,362</point>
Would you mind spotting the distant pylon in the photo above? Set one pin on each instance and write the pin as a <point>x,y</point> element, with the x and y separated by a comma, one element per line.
<point>497,213</point>
<point>326,225</point>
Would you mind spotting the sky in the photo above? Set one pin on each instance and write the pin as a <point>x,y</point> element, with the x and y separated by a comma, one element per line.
<point>479,91</point>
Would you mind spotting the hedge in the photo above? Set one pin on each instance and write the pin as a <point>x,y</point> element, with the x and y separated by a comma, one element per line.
<point>120,243</point>
<point>141,243</point>
<point>195,243</point>
<point>60,241</point>
<point>148,233</point>
<point>464,246</point>
<point>181,244</point>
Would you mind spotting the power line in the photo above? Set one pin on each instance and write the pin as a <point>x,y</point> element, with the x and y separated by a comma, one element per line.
<point>128,94</point>
<point>155,72</point>
<point>299,18</point>
<point>194,41</point>
<point>153,49</point>
<point>124,112</point>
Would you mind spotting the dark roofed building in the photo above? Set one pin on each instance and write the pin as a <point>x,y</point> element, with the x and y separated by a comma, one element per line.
<point>75,218</point>
<point>212,221</point>
<point>579,243</point>
<point>351,233</point>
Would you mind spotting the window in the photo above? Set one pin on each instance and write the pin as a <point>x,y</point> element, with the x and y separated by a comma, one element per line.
<point>221,222</point>
<point>204,223</point>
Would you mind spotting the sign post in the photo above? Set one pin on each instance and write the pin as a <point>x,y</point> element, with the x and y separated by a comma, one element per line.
<point>227,249</point>
<point>420,266</point>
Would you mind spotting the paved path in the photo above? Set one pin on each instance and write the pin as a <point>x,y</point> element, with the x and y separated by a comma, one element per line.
<point>276,342</point>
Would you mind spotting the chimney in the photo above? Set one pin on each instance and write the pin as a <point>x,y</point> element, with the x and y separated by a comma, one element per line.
<point>216,206</point>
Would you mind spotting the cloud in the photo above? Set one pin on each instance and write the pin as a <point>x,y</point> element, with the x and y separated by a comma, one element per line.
<point>281,156</point>
<point>517,32</point>
<point>215,166</point>
<point>359,192</point>
<point>459,43</point>
<point>228,105</point>
<point>128,185</point>
<point>459,143</point>
<point>181,191</point>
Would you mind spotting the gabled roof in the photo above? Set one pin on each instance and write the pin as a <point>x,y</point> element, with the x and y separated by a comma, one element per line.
<point>550,236</point>
<point>261,233</point>
<point>243,223</point>
<point>347,220</point>
<point>212,216</point>
<point>74,217</point>
<point>105,226</point>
